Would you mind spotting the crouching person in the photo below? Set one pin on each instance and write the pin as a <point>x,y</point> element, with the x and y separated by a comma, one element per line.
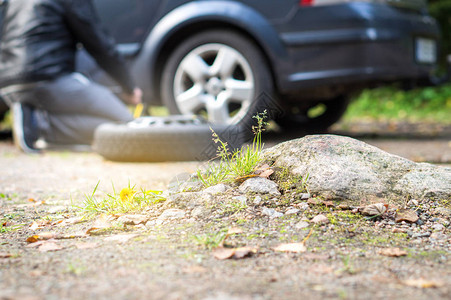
<point>48,99</point>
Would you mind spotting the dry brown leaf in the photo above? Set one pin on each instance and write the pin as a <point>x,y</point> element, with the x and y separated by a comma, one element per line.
<point>5,255</point>
<point>261,169</point>
<point>121,238</point>
<point>374,209</point>
<point>242,252</point>
<point>266,173</point>
<point>102,222</point>
<point>291,247</point>
<point>314,201</point>
<point>393,252</point>
<point>407,215</point>
<point>39,224</point>
<point>133,219</point>
<point>328,203</point>
<point>41,237</point>
<point>70,221</point>
<point>222,253</point>
<point>49,246</point>
<point>34,226</point>
<point>423,283</point>
<point>87,245</point>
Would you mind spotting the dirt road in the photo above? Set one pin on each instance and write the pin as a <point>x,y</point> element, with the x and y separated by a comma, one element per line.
<point>343,259</point>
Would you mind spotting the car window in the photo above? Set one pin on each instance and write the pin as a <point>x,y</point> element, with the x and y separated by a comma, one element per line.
<point>127,20</point>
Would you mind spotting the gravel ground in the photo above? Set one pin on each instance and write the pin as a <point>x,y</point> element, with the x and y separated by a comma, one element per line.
<point>172,258</point>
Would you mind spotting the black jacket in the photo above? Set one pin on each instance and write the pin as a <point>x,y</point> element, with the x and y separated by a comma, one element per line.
<point>40,39</point>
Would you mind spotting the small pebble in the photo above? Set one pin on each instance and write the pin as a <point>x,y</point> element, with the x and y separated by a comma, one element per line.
<point>438,227</point>
<point>320,219</point>
<point>257,200</point>
<point>292,211</point>
<point>438,236</point>
<point>305,196</point>
<point>301,225</point>
<point>303,206</point>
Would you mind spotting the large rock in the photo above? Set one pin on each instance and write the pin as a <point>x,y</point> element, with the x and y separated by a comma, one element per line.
<point>343,168</point>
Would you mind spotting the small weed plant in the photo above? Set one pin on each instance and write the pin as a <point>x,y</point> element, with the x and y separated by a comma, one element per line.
<point>127,200</point>
<point>239,163</point>
<point>211,240</point>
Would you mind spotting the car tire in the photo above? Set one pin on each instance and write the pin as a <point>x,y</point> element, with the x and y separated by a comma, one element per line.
<point>153,139</point>
<point>298,118</point>
<point>219,74</point>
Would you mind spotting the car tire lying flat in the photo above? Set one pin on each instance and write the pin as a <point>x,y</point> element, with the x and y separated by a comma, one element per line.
<point>153,139</point>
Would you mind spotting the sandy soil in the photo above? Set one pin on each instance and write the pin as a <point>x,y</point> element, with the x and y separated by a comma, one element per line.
<point>342,258</point>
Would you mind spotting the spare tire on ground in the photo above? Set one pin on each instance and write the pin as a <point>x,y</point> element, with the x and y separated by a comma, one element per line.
<point>157,139</point>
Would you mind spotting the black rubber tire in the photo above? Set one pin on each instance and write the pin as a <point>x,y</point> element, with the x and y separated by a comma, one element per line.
<point>301,122</point>
<point>159,143</point>
<point>264,95</point>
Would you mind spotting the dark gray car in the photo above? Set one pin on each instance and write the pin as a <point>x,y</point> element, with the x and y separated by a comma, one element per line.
<point>299,59</point>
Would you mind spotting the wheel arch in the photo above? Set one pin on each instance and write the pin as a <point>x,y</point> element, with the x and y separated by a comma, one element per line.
<point>193,18</point>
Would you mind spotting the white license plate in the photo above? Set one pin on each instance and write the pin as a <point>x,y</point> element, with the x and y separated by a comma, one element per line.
<point>425,51</point>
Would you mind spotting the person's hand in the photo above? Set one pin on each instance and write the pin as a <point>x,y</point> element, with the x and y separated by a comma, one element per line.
<point>134,98</point>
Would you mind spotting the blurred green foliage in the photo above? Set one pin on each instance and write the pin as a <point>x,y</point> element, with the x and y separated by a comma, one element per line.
<point>441,11</point>
<point>431,104</point>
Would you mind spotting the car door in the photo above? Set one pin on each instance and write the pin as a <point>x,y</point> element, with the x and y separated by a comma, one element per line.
<point>127,20</point>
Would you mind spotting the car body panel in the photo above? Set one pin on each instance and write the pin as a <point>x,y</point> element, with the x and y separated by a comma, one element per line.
<point>233,14</point>
<point>306,47</point>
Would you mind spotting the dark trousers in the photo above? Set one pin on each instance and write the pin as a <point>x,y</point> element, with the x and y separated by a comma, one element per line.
<point>70,108</point>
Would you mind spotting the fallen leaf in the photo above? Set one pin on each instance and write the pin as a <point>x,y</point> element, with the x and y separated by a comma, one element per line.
<point>34,226</point>
<point>102,222</point>
<point>5,255</point>
<point>266,173</point>
<point>393,252</point>
<point>376,209</point>
<point>222,253</point>
<point>39,224</point>
<point>328,203</point>
<point>71,221</point>
<point>261,169</point>
<point>407,215</point>
<point>133,219</point>
<point>121,238</point>
<point>49,246</point>
<point>314,201</point>
<point>40,237</point>
<point>87,245</point>
<point>244,251</point>
<point>291,247</point>
<point>422,283</point>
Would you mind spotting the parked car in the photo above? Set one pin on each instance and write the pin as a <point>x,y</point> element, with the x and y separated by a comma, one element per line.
<point>299,59</point>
